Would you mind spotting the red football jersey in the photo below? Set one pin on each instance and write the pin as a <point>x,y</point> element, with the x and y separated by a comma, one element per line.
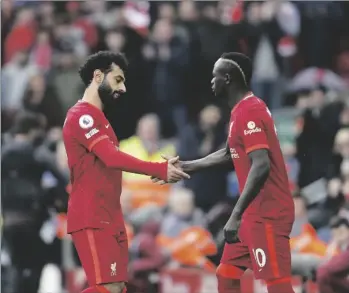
<point>94,200</point>
<point>251,128</point>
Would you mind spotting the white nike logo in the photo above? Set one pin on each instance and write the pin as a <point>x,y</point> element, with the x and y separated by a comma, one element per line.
<point>107,126</point>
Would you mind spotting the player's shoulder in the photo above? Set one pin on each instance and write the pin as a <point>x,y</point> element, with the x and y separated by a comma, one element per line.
<point>251,105</point>
<point>82,115</point>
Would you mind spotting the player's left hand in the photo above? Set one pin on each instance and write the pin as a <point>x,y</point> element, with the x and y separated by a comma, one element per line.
<point>231,230</point>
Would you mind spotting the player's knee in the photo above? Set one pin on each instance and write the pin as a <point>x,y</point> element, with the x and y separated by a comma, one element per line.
<point>115,287</point>
<point>229,271</point>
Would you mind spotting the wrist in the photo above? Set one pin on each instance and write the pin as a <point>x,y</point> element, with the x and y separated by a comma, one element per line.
<point>162,170</point>
<point>187,167</point>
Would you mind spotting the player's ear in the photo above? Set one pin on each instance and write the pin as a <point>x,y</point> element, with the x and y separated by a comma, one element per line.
<point>227,78</point>
<point>98,76</point>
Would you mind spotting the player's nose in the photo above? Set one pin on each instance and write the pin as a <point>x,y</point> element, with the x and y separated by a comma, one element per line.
<point>122,89</point>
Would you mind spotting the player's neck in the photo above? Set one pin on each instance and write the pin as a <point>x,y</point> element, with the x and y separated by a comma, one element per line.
<point>92,98</point>
<point>235,95</point>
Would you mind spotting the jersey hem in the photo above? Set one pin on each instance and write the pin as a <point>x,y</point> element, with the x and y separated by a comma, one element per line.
<point>257,147</point>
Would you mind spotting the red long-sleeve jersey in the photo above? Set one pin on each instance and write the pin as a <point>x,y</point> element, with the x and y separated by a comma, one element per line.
<point>96,166</point>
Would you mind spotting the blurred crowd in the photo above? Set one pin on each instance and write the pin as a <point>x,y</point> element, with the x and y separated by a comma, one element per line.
<point>300,53</point>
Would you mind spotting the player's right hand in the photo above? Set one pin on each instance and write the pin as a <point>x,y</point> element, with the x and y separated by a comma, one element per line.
<point>174,171</point>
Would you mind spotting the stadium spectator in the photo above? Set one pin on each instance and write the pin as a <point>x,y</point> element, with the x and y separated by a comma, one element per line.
<point>308,249</point>
<point>315,142</point>
<point>147,143</point>
<point>22,35</point>
<point>167,60</point>
<point>65,81</point>
<point>265,34</point>
<point>24,161</point>
<point>332,276</point>
<point>182,214</point>
<point>196,141</point>
<point>43,99</point>
<point>15,77</point>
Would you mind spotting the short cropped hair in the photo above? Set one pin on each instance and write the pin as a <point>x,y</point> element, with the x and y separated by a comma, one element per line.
<point>244,63</point>
<point>102,61</point>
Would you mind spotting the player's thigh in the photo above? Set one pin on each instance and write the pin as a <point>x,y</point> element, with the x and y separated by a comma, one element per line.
<point>236,254</point>
<point>270,250</point>
<point>103,255</point>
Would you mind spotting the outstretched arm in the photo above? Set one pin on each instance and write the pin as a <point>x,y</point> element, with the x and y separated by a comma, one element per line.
<point>106,151</point>
<point>217,158</point>
<point>220,157</point>
<point>90,131</point>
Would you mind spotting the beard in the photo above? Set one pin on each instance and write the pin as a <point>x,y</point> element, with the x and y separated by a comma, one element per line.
<point>106,93</point>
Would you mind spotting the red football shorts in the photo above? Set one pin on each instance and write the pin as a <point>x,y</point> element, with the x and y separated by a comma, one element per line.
<point>103,255</point>
<point>264,248</point>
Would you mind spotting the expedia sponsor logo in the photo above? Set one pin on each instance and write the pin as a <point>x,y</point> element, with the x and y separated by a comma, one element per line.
<point>252,128</point>
<point>250,131</point>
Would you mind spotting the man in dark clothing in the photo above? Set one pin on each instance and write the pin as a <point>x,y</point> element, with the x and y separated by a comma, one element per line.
<point>167,60</point>
<point>24,161</point>
<point>321,121</point>
<point>198,140</point>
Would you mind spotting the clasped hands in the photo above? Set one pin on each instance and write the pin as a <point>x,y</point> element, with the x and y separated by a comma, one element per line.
<point>174,171</point>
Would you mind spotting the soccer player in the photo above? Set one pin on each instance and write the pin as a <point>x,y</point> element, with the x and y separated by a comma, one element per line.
<point>94,214</point>
<point>257,232</point>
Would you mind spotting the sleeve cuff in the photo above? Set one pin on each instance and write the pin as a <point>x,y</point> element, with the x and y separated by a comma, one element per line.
<point>257,147</point>
<point>97,140</point>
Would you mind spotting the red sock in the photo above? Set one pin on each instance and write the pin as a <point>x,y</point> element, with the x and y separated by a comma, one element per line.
<point>280,285</point>
<point>228,278</point>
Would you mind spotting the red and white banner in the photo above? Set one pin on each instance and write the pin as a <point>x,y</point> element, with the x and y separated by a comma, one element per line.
<point>197,281</point>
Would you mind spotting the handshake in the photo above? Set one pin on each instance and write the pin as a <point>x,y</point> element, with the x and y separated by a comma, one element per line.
<point>175,171</point>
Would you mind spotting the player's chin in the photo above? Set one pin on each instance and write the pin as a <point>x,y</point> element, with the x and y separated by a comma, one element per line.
<point>116,96</point>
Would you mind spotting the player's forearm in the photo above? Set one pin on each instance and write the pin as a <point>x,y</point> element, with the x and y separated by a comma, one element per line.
<point>113,158</point>
<point>217,158</point>
<point>256,178</point>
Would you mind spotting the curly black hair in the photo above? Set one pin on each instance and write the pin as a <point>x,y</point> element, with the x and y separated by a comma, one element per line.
<point>243,61</point>
<point>101,60</point>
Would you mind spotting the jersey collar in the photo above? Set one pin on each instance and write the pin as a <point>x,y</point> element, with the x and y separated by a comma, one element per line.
<point>247,96</point>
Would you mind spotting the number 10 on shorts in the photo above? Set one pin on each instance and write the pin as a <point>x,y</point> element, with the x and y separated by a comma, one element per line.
<point>260,257</point>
